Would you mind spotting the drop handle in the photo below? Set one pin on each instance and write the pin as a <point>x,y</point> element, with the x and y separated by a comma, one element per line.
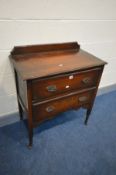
<point>83,99</point>
<point>86,80</point>
<point>50,108</point>
<point>51,88</point>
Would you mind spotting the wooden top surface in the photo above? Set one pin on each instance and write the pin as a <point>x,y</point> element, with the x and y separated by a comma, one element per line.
<point>45,60</point>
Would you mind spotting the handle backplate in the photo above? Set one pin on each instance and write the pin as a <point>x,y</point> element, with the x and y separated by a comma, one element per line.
<point>50,108</point>
<point>83,99</point>
<point>86,80</point>
<point>51,88</point>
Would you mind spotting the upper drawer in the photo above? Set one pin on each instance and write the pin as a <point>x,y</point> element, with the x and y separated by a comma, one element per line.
<point>53,86</point>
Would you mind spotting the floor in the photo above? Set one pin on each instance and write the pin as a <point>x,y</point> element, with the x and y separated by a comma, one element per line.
<point>64,146</point>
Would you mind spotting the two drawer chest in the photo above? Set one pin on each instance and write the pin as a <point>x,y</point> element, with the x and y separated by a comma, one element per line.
<point>53,78</point>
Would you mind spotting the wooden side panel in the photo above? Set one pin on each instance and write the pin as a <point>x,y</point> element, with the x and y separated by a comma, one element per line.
<point>22,88</point>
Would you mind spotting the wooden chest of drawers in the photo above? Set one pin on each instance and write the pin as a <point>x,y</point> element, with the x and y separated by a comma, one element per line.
<point>53,78</point>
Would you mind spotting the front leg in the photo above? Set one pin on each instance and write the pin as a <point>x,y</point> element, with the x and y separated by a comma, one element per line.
<point>30,114</point>
<point>87,115</point>
<point>30,132</point>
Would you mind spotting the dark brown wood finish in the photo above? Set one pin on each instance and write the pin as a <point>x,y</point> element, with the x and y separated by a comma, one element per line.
<point>44,111</point>
<point>53,78</point>
<point>65,83</point>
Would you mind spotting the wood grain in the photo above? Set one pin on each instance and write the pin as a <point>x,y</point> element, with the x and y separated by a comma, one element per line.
<point>37,65</point>
<point>53,78</point>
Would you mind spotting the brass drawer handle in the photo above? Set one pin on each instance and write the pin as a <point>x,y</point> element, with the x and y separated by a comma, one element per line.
<point>51,88</point>
<point>50,108</point>
<point>83,99</point>
<point>86,80</point>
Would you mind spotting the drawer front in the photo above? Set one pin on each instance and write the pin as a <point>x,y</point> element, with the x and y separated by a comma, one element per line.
<point>42,89</point>
<point>47,110</point>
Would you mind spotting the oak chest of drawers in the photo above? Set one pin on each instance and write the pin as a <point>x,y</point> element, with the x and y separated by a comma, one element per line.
<point>53,78</point>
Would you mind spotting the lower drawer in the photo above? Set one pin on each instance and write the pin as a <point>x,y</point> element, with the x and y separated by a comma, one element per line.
<point>45,111</point>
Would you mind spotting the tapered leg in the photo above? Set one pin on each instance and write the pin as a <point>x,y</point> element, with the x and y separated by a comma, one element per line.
<point>30,128</point>
<point>30,138</point>
<point>87,115</point>
<point>30,114</point>
<point>20,111</point>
